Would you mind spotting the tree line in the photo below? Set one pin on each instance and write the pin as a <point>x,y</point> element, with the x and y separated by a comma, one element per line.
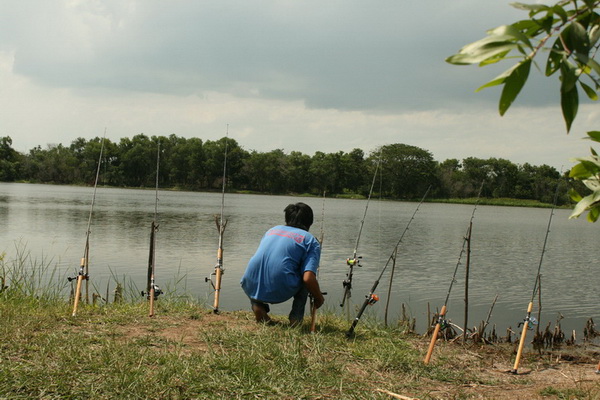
<point>397,171</point>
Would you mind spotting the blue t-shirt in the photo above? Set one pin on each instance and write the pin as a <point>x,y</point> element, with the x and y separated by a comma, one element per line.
<point>274,273</point>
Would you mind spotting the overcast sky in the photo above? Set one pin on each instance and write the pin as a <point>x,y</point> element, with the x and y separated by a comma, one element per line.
<point>295,75</point>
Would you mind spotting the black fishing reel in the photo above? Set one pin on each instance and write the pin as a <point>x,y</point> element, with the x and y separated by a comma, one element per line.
<point>157,292</point>
<point>347,284</point>
<point>74,278</point>
<point>530,320</point>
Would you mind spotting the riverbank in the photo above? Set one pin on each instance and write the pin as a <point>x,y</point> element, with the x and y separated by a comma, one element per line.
<point>505,202</point>
<point>185,351</point>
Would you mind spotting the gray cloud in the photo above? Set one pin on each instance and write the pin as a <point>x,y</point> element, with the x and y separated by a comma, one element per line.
<point>348,55</point>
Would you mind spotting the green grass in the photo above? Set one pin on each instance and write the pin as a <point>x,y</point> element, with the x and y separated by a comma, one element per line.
<point>115,351</point>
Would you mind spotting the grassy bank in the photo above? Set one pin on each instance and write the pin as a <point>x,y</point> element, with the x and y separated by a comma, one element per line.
<point>185,352</point>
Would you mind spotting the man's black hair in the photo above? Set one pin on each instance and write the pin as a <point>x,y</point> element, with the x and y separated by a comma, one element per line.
<point>299,215</point>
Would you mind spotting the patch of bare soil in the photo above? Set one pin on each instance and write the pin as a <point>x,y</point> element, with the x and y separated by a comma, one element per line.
<point>185,334</point>
<point>568,373</point>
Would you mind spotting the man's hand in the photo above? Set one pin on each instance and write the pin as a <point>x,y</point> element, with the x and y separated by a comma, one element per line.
<point>312,285</point>
<point>318,300</point>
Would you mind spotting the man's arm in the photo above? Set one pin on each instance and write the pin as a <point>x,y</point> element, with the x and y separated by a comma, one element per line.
<point>312,285</point>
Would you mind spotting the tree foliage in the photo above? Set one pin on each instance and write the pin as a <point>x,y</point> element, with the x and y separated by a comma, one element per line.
<point>403,171</point>
<point>569,33</point>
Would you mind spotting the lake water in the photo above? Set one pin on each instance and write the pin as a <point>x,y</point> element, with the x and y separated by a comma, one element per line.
<point>50,223</point>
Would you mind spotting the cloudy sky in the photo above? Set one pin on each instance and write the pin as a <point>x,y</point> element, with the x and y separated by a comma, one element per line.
<point>295,75</point>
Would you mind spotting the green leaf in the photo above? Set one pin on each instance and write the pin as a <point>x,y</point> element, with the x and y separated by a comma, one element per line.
<point>474,55</point>
<point>593,213</point>
<point>574,195</point>
<point>535,8</point>
<point>568,76</point>
<point>569,102</point>
<point>592,166</point>
<point>499,79</point>
<point>579,171</point>
<point>577,38</point>
<point>594,135</point>
<point>581,206</point>
<point>556,57</point>
<point>594,34</point>
<point>493,60</point>
<point>591,93</point>
<point>511,32</point>
<point>513,85</point>
<point>594,65</point>
<point>558,10</point>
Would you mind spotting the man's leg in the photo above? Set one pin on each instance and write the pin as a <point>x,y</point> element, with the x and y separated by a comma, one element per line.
<point>297,314</point>
<point>261,311</point>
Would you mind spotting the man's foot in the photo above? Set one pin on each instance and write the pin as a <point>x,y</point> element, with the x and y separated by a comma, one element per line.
<point>295,322</point>
<point>260,314</point>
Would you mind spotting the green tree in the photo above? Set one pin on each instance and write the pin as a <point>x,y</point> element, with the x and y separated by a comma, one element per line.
<point>266,172</point>
<point>214,153</point>
<point>299,176</point>
<point>406,171</point>
<point>10,160</point>
<point>569,31</point>
<point>452,179</point>
<point>137,163</point>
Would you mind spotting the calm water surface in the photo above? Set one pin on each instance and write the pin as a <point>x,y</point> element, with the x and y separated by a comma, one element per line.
<point>50,222</point>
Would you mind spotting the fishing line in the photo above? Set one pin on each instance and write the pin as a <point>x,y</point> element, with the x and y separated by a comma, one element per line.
<point>441,322</point>
<point>372,298</point>
<point>221,224</point>
<point>83,273</point>
<point>153,291</point>
<point>528,318</point>
<point>313,309</point>
<point>355,260</point>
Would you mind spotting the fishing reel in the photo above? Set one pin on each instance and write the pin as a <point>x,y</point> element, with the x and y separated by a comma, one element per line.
<point>351,262</point>
<point>209,278</point>
<point>372,299</point>
<point>530,320</point>
<point>354,261</point>
<point>74,278</point>
<point>157,292</point>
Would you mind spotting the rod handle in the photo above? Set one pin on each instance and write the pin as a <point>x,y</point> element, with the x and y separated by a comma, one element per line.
<point>434,336</point>
<point>522,341</point>
<point>77,294</point>
<point>218,274</point>
<point>152,292</point>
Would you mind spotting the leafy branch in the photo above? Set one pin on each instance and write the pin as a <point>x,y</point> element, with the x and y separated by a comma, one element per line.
<point>576,29</point>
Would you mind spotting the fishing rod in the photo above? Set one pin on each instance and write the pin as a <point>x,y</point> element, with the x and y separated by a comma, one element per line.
<point>372,298</point>
<point>355,260</point>
<point>313,309</point>
<point>221,224</point>
<point>441,322</point>
<point>528,318</point>
<point>83,273</point>
<point>152,290</point>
